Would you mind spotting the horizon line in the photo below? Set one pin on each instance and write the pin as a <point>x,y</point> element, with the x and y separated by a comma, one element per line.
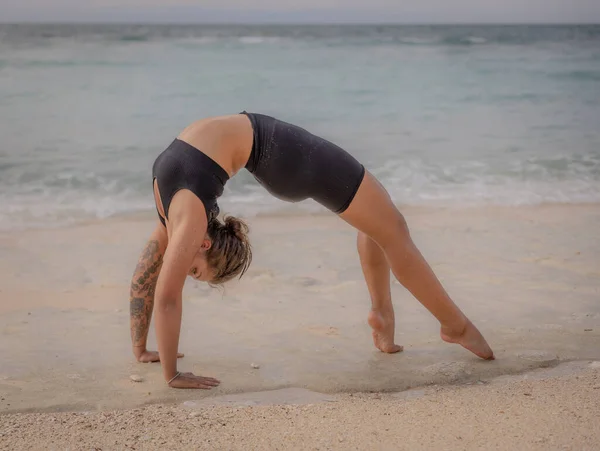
<point>286,23</point>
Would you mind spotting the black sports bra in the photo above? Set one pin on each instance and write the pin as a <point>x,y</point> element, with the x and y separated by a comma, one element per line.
<point>182,166</point>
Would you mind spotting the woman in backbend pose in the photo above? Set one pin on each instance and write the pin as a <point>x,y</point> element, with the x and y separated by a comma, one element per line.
<point>293,165</point>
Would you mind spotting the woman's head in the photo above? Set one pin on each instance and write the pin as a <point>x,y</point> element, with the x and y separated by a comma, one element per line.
<point>230,253</point>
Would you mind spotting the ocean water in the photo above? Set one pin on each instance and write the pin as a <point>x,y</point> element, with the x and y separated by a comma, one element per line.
<point>443,115</point>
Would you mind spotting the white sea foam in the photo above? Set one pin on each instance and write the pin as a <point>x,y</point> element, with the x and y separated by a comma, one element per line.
<point>258,39</point>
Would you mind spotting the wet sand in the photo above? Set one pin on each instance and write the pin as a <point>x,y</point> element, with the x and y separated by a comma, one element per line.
<point>528,277</point>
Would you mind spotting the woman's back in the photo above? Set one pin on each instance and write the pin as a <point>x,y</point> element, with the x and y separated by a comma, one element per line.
<point>225,139</point>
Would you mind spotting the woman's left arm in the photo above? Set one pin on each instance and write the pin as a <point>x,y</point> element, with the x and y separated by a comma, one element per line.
<point>177,261</point>
<point>188,231</point>
<point>188,225</point>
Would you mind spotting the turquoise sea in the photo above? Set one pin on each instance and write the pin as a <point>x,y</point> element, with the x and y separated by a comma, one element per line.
<point>443,115</point>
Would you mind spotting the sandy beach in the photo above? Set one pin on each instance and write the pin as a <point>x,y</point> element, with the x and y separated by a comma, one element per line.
<point>544,410</point>
<point>529,278</point>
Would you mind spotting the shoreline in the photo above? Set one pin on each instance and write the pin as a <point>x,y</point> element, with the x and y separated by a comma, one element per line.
<point>150,214</point>
<point>540,366</point>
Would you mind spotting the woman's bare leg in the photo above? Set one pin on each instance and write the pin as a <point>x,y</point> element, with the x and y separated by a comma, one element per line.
<point>377,275</point>
<point>373,213</point>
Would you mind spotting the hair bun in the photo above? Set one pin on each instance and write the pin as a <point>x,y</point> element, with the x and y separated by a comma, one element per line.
<point>236,227</point>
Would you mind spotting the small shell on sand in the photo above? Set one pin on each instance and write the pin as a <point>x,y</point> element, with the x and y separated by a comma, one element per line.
<point>538,356</point>
<point>255,365</point>
<point>136,378</point>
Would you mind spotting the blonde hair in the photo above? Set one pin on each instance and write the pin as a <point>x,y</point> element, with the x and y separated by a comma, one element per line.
<point>230,253</point>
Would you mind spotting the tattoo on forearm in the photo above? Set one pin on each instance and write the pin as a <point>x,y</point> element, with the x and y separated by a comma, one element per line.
<point>136,307</point>
<point>143,285</point>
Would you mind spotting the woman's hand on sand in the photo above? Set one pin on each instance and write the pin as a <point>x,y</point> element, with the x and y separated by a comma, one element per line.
<point>146,356</point>
<point>189,380</point>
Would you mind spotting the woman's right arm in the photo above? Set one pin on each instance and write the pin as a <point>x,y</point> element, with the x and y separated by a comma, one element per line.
<point>141,294</point>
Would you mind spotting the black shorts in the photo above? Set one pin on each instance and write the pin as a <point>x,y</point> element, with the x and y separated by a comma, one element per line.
<point>294,165</point>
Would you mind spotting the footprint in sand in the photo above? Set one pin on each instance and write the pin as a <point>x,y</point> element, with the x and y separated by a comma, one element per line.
<point>306,281</point>
<point>562,263</point>
<point>453,371</point>
<point>337,287</point>
<point>541,357</point>
<point>259,275</point>
<point>324,331</point>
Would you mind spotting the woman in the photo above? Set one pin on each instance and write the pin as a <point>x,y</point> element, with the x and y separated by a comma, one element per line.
<point>293,165</point>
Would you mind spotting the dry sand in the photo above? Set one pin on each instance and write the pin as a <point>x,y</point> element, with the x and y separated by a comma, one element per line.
<point>528,277</point>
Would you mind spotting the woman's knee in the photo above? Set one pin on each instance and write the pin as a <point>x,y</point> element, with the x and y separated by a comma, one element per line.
<point>363,240</point>
<point>367,246</point>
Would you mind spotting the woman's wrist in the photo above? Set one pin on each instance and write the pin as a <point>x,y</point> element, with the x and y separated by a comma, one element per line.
<point>174,377</point>
<point>138,350</point>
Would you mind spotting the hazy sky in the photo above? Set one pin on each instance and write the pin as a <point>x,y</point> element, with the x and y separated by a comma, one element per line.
<point>301,10</point>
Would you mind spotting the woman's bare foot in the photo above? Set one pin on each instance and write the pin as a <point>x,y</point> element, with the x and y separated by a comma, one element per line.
<point>469,338</point>
<point>383,332</point>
